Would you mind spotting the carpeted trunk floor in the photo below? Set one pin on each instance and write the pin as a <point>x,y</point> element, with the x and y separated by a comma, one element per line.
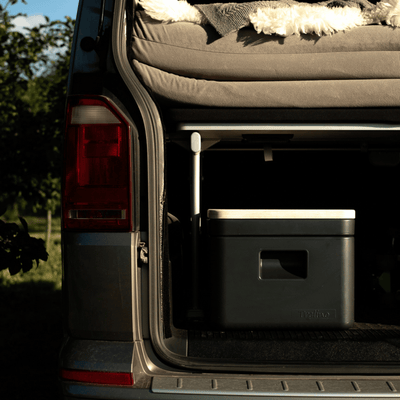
<point>362,343</point>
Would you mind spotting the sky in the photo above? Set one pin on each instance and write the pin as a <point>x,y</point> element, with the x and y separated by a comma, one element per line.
<point>37,9</point>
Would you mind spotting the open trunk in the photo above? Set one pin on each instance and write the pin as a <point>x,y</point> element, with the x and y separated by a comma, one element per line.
<point>264,262</point>
<point>314,162</point>
<point>305,173</point>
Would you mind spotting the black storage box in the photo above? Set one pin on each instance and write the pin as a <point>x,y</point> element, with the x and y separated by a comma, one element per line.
<point>281,268</point>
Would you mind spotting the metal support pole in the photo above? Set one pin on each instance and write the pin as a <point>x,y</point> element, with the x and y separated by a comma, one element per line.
<point>195,146</point>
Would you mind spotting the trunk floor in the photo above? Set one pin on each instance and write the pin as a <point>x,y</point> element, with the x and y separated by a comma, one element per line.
<point>364,342</point>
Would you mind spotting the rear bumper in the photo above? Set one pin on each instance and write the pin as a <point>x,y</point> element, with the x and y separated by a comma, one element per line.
<point>229,389</point>
<point>153,380</point>
<point>73,391</point>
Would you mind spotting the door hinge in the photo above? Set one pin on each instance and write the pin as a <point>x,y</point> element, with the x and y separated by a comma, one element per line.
<point>143,253</point>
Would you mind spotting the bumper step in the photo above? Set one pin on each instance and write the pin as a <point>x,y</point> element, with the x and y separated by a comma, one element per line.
<point>343,388</point>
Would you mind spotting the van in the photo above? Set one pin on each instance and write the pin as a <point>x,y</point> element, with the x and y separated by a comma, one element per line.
<point>231,220</point>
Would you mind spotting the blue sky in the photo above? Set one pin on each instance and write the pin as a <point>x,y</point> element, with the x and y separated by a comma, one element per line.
<point>37,9</point>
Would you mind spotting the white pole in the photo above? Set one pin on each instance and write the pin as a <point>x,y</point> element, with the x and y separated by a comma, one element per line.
<point>195,146</point>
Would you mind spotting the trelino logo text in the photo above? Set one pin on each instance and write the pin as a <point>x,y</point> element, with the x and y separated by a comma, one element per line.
<point>316,314</point>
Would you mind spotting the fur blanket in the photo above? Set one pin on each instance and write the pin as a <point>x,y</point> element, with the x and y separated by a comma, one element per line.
<point>227,18</point>
<point>279,17</point>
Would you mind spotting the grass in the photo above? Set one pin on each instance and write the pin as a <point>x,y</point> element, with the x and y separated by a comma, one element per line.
<point>31,323</point>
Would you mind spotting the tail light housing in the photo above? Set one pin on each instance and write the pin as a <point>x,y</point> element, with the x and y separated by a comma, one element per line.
<point>96,377</point>
<point>97,167</point>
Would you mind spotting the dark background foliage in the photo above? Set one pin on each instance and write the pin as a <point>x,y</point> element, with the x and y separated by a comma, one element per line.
<point>33,76</point>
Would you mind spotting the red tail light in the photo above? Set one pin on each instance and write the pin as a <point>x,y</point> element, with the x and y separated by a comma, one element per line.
<point>103,378</point>
<point>97,167</point>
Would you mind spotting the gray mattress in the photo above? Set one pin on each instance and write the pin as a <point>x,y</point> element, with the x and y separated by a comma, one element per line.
<point>191,65</point>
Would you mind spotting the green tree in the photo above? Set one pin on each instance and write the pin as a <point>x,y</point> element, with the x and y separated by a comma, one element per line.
<point>33,76</point>
<point>45,100</point>
<point>32,108</point>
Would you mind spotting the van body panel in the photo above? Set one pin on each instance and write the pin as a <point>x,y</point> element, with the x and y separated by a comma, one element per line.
<point>131,299</point>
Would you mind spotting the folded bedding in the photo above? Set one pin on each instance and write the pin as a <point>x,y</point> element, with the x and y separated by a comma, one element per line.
<point>190,64</point>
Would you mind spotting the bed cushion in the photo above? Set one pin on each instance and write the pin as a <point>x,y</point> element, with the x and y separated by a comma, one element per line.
<point>189,50</point>
<point>173,90</point>
<point>188,65</point>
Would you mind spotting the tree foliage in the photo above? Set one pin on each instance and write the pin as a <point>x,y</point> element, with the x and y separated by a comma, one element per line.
<point>33,77</point>
<point>18,249</point>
